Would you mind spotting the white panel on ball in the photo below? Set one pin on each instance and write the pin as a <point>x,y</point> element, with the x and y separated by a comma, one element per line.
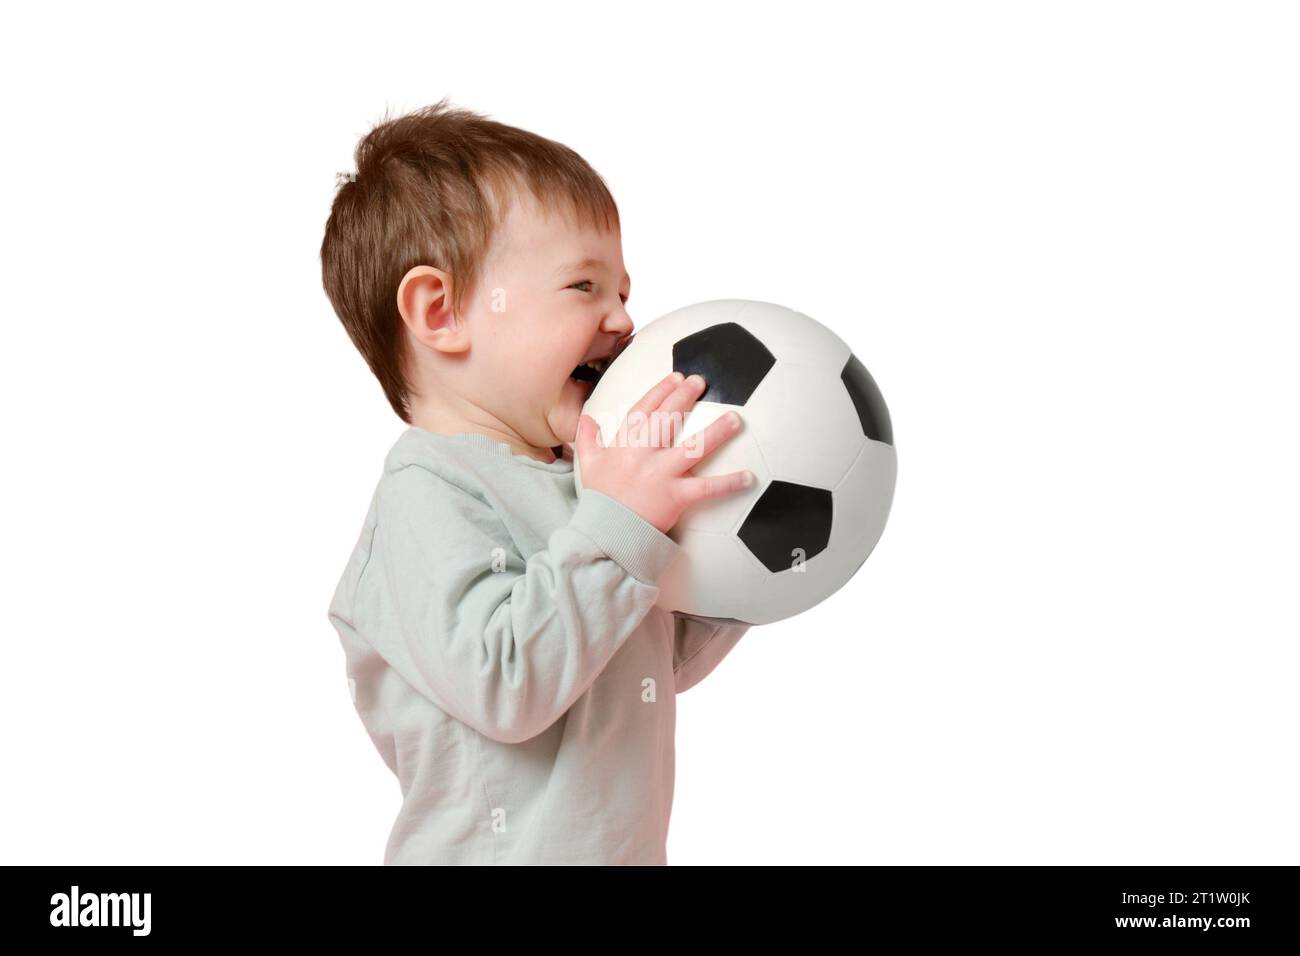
<point>693,585</point>
<point>804,424</point>
<point>863,500</point>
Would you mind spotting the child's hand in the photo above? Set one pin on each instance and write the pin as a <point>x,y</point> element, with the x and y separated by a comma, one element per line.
<point>642,470</point>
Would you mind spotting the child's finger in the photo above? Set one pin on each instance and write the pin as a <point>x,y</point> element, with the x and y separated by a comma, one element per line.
<point>674,409</point>
<point>656,395</point>
<point>681,398</point>
<point>693,489</point>
<point>588,438</point>
<point>703,442</point>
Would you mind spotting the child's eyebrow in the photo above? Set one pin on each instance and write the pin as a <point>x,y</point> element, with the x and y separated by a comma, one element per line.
<point>588,263</point>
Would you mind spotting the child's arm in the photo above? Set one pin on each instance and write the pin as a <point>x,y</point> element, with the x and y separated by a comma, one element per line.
<point>698,646</point>
<point>501,644</point>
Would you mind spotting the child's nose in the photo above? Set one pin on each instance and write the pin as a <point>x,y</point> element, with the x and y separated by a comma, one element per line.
<point>619,321</point>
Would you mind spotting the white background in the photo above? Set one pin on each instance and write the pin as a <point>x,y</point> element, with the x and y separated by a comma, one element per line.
<point>1063,238</point>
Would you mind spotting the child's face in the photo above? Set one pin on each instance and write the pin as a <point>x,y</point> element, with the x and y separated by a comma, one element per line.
<point>538,313</point>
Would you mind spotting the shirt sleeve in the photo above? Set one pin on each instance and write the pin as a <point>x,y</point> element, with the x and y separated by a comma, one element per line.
<point>698,647</point>
<point>507,645</point>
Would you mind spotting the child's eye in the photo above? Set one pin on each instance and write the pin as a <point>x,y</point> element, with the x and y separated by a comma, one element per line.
<point>583,282</point>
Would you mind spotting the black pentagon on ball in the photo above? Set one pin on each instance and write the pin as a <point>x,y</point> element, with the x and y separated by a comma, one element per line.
<point>872,412</point>
<point>731,360</point>
<point>787,516</point>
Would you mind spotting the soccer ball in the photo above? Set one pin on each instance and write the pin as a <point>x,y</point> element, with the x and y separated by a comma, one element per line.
<point>816,434</point>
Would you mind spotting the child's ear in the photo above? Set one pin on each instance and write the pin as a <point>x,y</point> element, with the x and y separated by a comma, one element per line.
<point>424,301</point>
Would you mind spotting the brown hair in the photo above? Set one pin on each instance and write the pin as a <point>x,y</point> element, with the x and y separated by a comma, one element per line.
<point>430,189</point>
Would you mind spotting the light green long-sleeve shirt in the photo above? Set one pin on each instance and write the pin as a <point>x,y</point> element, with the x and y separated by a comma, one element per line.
<point>508,660</point>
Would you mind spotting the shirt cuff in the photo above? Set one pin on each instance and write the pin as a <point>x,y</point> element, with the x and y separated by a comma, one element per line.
<point>642,549</point>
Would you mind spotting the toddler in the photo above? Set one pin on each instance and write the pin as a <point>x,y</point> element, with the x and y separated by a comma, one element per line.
<point>500,631</point>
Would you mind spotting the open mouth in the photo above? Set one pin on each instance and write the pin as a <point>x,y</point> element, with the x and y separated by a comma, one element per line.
<point>590,371</point>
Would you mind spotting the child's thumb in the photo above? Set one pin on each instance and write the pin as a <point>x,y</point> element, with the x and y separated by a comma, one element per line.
<point>588,435</point>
